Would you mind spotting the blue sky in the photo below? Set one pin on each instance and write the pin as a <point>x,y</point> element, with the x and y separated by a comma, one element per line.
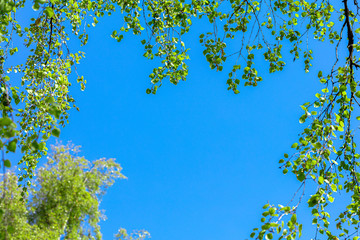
<point>200,161</point>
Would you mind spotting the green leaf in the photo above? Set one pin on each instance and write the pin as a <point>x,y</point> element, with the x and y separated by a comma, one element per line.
<point>302,119</point>
<point>55,132</point>
<point>53,110</point>
<point>7,163</point>
<point>320,180</point>
<point>357,94</point>
<point>36,6</point>
<point>294,145</point>
<point>272,211</point>
<point>293,218</point>
<point>12,145</point>
<point>318,145</point>
<point>35,144</point>
<point>5,121</point>
<point>49,12</point>
<point>57,114</point>
<point>323,80</point>
<point>269,236</point>
<point>301,176</point>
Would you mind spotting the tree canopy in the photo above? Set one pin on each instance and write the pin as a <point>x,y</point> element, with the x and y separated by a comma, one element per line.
<point>64,199</point>
<point>36,98</point>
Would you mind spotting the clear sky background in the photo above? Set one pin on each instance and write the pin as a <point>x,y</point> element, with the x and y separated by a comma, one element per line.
<point>200,161</point>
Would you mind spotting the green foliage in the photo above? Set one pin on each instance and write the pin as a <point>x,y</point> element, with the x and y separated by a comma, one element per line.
<point>137,235</point>
<point>64,200</point>
<point>276,31</point>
